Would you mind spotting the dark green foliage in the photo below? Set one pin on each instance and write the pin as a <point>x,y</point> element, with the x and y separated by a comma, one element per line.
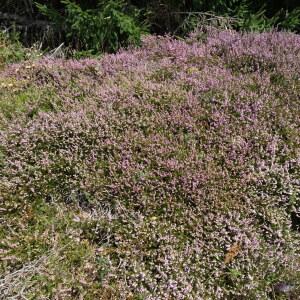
<point>248,15</point>
<point>107,27</point>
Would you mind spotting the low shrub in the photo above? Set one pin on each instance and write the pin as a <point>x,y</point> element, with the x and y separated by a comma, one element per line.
<point>179,161</point>
<point>108,27</point>
<point>10,50</point>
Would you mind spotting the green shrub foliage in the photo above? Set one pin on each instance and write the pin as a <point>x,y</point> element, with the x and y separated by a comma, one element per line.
<point>247,15</point>
<point>107,27</point>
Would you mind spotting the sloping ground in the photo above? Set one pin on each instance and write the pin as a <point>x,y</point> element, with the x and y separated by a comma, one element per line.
<point>171,171</point>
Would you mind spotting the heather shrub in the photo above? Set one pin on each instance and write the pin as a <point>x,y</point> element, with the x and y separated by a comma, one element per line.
<point>20,98</point>
<point>167,171</point>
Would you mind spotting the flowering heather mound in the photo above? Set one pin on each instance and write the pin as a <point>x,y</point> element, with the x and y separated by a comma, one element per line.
<point>171,171</point>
